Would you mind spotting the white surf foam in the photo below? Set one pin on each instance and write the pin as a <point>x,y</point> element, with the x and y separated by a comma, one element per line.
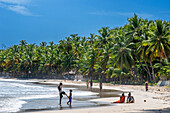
<point>17,80</point>
<point>38,97</point>
<point>23,85</point>
<point>11,105</point>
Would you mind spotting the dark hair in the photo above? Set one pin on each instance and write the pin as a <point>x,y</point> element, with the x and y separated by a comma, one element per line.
<point>123,94</point>
<point>129,94</point>
<point>61,84</point>
<point>70,90</point>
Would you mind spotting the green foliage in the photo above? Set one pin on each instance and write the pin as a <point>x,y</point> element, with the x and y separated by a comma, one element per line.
<point>163,69</point>
<point>136,51</point>
<point>96,81</point>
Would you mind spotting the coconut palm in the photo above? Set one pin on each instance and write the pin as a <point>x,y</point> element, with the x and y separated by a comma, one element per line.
<point>102,61</point>
<point>158,42</point>
<point>122,53</point>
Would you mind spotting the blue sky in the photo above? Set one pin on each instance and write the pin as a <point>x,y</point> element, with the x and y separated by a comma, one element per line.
<point>52,20</point>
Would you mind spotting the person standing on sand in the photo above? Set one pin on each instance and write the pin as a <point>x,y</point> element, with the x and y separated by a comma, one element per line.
<point>60,92</point>
<point>146,85</point>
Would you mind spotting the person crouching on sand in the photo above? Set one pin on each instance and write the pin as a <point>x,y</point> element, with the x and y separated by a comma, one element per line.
<point>122,99</point>
<point>69,97</point>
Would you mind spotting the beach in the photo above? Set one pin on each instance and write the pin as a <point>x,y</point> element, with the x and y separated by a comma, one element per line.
<point>157,99</point>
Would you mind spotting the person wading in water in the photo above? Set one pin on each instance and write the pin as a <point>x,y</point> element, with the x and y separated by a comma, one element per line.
<point>60,93</point>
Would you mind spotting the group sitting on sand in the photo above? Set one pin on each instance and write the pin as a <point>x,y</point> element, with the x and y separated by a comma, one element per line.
<point>130,99</point>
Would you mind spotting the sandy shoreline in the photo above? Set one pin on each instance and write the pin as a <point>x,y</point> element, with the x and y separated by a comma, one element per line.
<point>157,99</point>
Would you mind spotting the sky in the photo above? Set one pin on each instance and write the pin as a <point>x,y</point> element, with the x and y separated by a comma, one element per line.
<point>53,20</point>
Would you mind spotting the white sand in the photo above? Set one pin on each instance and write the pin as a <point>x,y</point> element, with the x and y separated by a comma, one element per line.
<point>157,100</point>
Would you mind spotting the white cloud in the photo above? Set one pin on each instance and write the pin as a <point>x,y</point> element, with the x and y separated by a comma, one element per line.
<point>20,10</point>
<point>16,1</point>
<point>18,6</point>
<point>103,13</point>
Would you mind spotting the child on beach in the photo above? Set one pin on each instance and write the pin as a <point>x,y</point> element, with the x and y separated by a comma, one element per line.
<point>70,97</point>
<point>146,85</point>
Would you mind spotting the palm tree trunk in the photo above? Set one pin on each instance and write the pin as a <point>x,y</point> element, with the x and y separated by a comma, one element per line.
<point>144,67</point>
<point>148,71</point>
<point>91,81</point>
<point>166,56</point>
<point>139,74</point>
<point>101,81</point>
<point>136,72</point>
<point>153,74</point>
<point>114,81</point>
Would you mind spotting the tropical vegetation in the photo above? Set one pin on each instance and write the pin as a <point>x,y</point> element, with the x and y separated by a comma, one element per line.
<point>135,52</point>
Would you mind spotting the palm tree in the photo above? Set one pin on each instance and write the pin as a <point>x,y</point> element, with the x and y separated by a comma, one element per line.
<point>104,44</point>
<point>2,60</point>
<point>123,73</point>
<point>103,61</point>
<point>158,43</point>
<point>104,37</point>
<point>140,54</point>
<point>134,28</point>
<point>122,54</point>
<point>29,58</point>
<point>91,58</point>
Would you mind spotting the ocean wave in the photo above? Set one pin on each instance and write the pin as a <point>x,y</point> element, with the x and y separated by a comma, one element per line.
<point>38,97</point>
<point>23,85</point>
<point>17,80</point>
<point>11,105</point>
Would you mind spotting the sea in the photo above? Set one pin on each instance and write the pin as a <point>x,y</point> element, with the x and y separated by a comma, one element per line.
<point>25,96</point>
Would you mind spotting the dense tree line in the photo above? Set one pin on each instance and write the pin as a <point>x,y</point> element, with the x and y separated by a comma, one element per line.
<point>138,51</point>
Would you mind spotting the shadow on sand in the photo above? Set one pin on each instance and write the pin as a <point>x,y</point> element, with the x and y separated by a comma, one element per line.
<point>165,110</point>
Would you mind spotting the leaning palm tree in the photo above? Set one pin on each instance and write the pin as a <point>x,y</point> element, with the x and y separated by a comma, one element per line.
<point>158,43</point>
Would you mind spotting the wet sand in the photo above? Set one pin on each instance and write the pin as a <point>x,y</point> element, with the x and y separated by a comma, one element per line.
<point>157,99</point>
<point>81,98</point>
